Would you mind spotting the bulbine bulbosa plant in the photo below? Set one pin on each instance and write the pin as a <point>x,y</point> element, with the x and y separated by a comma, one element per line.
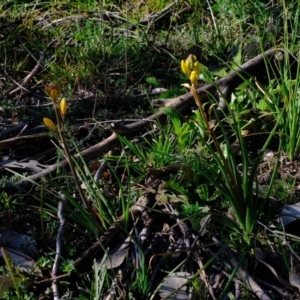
<point>60,108</point>
<point>238,189</point>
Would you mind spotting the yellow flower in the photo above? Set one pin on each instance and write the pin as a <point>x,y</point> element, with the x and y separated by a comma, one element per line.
<point>196,67</point>
<point>194,78</point>
<point>185,68</point>
<point>189,65</point>
<point>52,90</point>
<point>63,107</point>
<point>49,124</point>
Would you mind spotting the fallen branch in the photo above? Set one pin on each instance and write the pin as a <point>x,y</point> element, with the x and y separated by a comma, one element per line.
<point>23,140</point>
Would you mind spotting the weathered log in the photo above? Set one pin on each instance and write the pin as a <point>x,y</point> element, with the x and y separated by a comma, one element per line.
<point>23,140</point>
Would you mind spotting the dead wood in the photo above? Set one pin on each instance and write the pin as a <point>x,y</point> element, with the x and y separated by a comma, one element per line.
<point>15,130</point>
<point>23,140</point>
<point>222,89</point>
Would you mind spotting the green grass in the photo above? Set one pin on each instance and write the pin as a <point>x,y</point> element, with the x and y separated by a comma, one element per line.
<point>104,49</point>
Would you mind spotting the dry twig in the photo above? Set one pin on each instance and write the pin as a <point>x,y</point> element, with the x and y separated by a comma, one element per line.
<point>58,254</point>
<point>28,77</point>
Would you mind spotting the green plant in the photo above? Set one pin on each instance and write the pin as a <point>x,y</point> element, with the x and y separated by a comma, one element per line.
<point>141,281</point>
<point>67,266</point>
<point>100,274</point>
<point>44,262</point>
<point>106,54</point>
<point>11,271</point>
<point>281,95</point>
<point>236,188</point>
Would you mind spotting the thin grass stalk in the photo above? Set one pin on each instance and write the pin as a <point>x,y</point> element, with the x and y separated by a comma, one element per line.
<point>102,213</point>
<point>52,210</point>
<point>8,263</point>
<point>42,212</point>
<point>233,274</point>
<point>95,193</point>
<point>293,110</point>
<point>99,275</point>
<point>125,207</point>
<point>295,26</point>
<point>88,225</point>
<point>273,178</point>
<point>194,276</point>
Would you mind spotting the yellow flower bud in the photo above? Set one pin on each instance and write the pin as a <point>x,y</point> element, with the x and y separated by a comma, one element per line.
<point>189,65</point>
<point>49,124</point>
<point>52,90</point>
<point>63,107</point>
<point>185,68</point>
<point>194,78</point>
<point>196,67</point>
